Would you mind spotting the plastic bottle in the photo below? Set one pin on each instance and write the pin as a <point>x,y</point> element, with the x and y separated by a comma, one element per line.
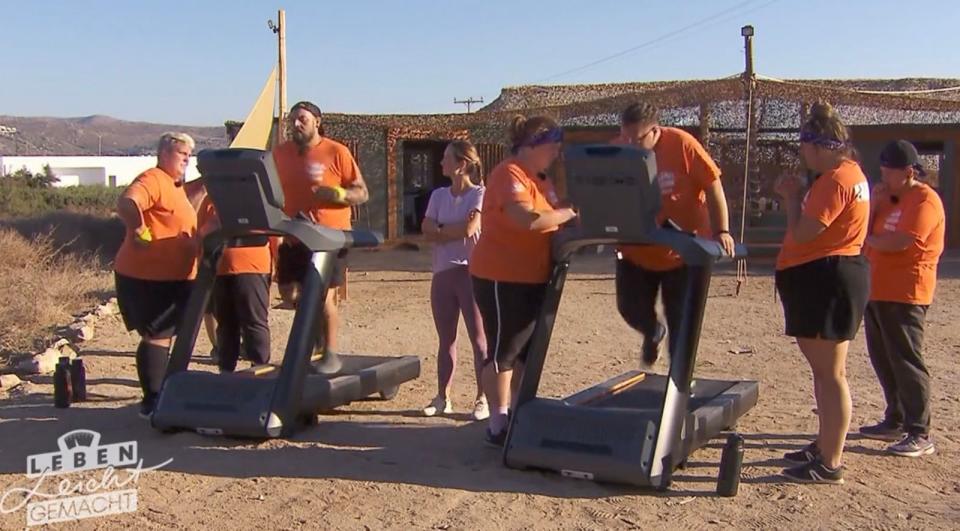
<point>62,394</point>
<point>728,481</point>
<point>78,381</point>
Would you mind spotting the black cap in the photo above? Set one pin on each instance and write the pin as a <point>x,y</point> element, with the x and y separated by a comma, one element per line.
<point>901,155</point>
<point>310,107</point>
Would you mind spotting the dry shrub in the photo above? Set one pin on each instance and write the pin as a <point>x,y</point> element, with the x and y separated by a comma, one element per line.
<point>43,288</point>
<point>73,232</point>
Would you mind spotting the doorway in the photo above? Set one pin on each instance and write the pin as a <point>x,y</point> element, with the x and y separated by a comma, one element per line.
<point>422,175</point>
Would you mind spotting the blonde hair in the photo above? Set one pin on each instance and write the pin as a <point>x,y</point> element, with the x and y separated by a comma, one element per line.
<point>464,150</point>
<point>169,139</point>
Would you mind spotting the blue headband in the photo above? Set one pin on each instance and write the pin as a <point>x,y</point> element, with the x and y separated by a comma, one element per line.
<point>547,136</point>
<point>809,137</point>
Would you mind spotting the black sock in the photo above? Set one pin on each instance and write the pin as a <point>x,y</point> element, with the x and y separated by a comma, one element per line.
<point>151,367</point>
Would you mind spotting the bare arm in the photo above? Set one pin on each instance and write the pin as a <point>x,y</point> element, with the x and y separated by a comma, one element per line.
<point>528,219</point>
<point>891,242</point>
<point>129,213</point>
<point>717,205</point>
<point>802,228</point>
<point>452,231</point>
<point>357,192</point>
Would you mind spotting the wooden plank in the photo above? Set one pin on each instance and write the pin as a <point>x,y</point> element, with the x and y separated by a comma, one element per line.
<point>260,370</point>
<point>613,390</point>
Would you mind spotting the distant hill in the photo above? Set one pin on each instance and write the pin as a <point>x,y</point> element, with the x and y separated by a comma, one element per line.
<point>78,136</point>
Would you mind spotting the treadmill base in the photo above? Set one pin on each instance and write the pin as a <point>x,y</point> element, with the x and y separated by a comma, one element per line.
<point>606,433</point>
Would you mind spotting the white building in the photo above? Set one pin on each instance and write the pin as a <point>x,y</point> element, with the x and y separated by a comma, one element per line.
<point>99,171</point>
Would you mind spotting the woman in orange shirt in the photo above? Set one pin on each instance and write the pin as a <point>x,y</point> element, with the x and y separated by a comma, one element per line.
<point>905,243</point>
<point>823,281</point>
<point>511,262</point>
<point>157,262</point>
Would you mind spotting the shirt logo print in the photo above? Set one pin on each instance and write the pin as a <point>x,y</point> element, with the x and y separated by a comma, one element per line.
<point>892,220</point>
<point>316,170</point>
<point>667,181</point>
<point>861,192</point>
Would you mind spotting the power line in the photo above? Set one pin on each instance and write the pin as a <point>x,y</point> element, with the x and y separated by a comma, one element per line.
<point>661,38</point>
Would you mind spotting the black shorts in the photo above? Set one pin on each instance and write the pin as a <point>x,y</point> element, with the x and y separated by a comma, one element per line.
<point>293,259</point>
<point>825,298</point>
<point>152,307</point>
<point>509,311</point>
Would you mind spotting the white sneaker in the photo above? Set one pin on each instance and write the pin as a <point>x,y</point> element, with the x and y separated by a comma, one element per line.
<point>481,410</point>
<point>438,405</point>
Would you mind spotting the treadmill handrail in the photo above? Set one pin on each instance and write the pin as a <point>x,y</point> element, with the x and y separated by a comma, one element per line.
<point>262,211</point>
<point>315,237</point>
<point>693,250</point>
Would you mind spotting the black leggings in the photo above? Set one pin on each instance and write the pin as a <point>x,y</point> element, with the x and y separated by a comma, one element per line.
<point>509,311</point>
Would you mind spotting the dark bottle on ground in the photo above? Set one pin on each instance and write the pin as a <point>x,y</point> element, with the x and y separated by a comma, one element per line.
<point>78,381</point>
<point>62,394</point>
<point>728,481</point>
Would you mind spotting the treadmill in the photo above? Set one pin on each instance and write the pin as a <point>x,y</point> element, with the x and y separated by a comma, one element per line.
<point>635,428</point>
<point>268,401</point>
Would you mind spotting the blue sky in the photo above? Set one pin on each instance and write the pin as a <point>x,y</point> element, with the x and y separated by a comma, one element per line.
<point>202,62</point>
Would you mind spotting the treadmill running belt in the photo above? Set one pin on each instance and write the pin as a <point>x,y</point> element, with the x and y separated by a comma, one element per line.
<point>648,394</point>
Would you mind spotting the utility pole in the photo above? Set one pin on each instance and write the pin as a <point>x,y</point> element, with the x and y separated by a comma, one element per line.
<point>749,81</point>
<point>99,144</point>
<point>280,29</point>
<point>469,101</point>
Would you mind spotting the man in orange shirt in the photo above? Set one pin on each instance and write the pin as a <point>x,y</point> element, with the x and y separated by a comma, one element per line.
<point>157,262</point>
<point>906,240</point>
<point>241,297</point>
<point>692,199</point>
<point>321,180</point>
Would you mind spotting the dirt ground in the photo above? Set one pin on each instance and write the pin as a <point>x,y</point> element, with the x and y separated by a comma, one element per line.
<point>380,465</point>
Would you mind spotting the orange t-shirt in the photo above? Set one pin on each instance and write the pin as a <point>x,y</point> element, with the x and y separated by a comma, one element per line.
<point>506,252</point>
<point>839,199</point>
<point>172,255</point>
<point>684,171</point>
<point>329,163</point>
<point>238,260</point>
<point>908,276</point>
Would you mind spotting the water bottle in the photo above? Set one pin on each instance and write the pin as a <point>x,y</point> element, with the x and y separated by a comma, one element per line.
<point>61,384</point>
<point>78,381</point>
<point>728,481</point>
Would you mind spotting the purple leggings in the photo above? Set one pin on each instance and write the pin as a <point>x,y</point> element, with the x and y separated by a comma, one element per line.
<point>451,294</point>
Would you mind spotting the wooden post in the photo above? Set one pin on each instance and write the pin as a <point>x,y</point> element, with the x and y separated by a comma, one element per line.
<point>705,117</point>
<point>749,82</point>
<point>282,75</point>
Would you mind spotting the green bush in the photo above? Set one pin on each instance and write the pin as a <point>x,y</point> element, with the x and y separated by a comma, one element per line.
<point>21,200</point>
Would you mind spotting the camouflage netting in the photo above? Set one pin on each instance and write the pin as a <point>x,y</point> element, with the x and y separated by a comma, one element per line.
<point>779,108</point>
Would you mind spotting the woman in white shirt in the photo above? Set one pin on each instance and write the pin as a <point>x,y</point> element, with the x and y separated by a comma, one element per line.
<point>452,223</point>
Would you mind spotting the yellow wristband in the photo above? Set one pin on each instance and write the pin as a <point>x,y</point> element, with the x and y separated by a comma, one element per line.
<point>144,235</point>
<point>341,194</point>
